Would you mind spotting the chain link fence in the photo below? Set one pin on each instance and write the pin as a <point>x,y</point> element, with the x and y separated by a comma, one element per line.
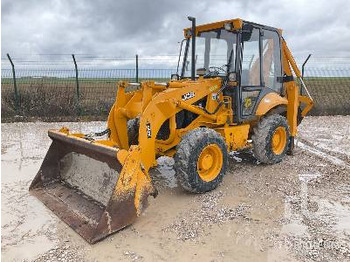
<point>53,87</point>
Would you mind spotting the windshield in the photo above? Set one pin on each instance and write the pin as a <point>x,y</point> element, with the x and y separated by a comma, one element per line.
<point>213,50</point>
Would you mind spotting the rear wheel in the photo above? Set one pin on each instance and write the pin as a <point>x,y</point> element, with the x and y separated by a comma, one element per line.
<point>201,160</point>
<point>271,139</point>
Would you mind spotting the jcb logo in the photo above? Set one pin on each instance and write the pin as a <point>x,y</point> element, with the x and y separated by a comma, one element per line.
<point>188,95</point>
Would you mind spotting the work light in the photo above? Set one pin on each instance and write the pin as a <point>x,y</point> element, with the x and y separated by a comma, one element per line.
<point>228,26</point>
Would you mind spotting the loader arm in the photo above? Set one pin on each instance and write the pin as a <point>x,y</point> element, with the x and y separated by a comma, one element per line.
<point>157,107</point>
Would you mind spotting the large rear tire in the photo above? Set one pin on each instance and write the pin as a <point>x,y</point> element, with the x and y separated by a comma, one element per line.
<point>271,139</point>
<point>201,160</point>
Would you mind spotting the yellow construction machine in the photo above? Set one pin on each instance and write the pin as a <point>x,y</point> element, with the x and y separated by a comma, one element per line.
<point>236,90</point>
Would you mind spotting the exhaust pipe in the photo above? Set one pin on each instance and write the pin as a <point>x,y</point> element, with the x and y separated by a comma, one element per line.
<point>193,33</point>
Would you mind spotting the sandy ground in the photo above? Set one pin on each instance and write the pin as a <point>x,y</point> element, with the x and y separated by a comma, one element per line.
<point>297,210</point>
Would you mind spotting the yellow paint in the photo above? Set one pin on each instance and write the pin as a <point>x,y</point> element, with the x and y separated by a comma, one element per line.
<point>105,143</point>
<point>237,24</point>
<point>133,180</point>
<point>210,162</point>
<point>268,102</point>
<point>196,110</point>
<point>309,104</point>
<point>64,130</point>
<point>279,140</point>
<point>292,90</point>
<point>236,137</point>
<point>122,155</point>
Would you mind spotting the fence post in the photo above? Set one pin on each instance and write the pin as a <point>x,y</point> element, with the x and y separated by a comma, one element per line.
<point>137,68</point>
<point>303,71</point>
<point>14,84</point>
<point>303,66</point>
<point>77,84</point>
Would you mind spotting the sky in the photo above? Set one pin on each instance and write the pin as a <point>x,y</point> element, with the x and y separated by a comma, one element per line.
<point>123,28</point>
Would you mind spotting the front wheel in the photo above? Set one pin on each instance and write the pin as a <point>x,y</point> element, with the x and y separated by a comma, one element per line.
<point>271,139</point>
<point>201,160</point>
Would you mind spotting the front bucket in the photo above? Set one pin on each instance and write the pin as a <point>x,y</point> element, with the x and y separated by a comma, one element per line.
<point>79,181</point>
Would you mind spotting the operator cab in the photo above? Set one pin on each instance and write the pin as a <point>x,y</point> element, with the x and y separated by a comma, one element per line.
<point>247,56</point>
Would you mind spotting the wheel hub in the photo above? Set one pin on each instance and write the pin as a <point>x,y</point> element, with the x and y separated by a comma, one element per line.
<point>279,140</point>
<point>210,162</point>
<point>206,162</point>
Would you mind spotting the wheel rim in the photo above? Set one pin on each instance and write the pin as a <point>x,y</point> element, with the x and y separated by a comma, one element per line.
<point>279,140</point>
<point>209,163</point>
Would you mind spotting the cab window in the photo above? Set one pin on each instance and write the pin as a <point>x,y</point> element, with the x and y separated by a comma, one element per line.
<point>251,59</point>
<point>271,55</point>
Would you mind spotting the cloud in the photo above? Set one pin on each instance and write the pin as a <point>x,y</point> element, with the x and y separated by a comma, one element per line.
<point>125,27</point>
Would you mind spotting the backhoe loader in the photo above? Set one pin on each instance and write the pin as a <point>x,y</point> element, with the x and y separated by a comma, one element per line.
<point>236,88</point>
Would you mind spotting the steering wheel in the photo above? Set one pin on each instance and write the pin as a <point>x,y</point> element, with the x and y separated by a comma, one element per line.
<point>216,70</point>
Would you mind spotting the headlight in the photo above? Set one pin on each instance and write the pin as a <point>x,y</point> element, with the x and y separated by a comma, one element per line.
<point>228,26</point>
<point>174,77</point>
<point>232,76</point>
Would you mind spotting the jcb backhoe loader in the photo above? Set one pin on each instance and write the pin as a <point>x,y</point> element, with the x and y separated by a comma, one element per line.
<point>236,90</point>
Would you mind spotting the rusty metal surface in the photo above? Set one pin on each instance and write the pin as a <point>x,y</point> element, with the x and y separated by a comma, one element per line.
<point>76,211</point>
<point>91,217</point>
<point>96,150</point>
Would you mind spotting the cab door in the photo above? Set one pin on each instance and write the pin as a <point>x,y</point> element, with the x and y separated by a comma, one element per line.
<point>250,74</point>
<point>271,61</point>
<point>261,70</point>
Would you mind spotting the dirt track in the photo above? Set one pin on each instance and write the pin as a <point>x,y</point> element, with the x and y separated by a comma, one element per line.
<point>297,210</point>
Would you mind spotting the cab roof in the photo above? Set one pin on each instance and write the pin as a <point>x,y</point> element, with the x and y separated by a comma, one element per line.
<point>237,24</point>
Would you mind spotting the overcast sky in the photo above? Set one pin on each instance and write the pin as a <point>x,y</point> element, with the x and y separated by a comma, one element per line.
<point>125,27</point>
